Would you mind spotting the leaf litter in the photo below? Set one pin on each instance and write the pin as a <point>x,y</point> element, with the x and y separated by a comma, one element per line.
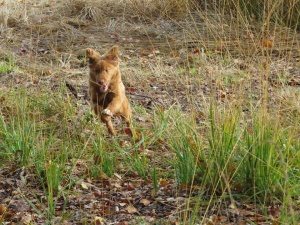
<point>122,198</point>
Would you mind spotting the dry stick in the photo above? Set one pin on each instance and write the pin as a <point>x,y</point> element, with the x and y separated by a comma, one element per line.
<point>232,204</point>
<point>232,201</point>
<point>143,96</point>
<point>72,89</point>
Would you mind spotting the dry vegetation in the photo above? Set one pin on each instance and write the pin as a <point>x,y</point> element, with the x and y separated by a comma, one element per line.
<point>215,92</point>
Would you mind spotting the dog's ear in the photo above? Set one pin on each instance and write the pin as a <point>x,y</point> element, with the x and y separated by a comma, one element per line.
<point>92,55</point>
<point>112,54</point>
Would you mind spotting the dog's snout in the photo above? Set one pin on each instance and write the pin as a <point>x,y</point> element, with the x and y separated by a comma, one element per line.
<point>101,82</point>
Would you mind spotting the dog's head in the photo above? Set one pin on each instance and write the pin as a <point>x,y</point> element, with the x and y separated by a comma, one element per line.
<point>103,69</point>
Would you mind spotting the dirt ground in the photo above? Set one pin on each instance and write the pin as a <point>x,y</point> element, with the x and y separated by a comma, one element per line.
<point>159,60</point>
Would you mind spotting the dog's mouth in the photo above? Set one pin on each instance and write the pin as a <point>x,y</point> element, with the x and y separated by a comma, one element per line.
<point>103,88</point>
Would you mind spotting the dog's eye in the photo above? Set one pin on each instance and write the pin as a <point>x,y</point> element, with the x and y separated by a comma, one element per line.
<point>106,70</point>
<point>97,70</point>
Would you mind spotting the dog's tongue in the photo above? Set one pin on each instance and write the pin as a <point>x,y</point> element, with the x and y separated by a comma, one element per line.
<point>104,88</point>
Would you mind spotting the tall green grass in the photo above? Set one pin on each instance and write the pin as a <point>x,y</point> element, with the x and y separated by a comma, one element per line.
<point>35,133</point>
<point>254,159</point>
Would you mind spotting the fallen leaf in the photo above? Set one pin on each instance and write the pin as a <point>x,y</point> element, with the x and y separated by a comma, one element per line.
<point>126,57</point>
<point>17,80</point>
<point>84,41</point>
<point>294,82</point>
<point>3,209</point>
<point>130,89</point>
<point>131,209</point>
<point>196,51</point>
<point>58,49</point>
<point>153,193</point>
<point>146,202</point>
<point>163,183</point>
<point>98,220</point>
<point>257,219</point>
<point>245,212</point>
<point>116,185</point>
<point>267,43</point>
<point>118,176</point>
<point>273,212</point>
<point>103,176</point>
<point>26,219</point>
<point>127,131</point>
<point>84,186</point>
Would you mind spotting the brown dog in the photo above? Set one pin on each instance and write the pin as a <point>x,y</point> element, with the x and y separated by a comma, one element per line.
<point>107,92</point>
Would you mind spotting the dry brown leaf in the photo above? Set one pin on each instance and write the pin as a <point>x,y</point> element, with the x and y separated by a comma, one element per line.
<point>246,212</point>
<point>145,201</point>
<point>153,193</point>
<point>257,219</point>
<point>116,185</point>
<point>103,176</point>
<point>267,43</point>
<point>26,219</point>
<point>163,183</point>
<point>84,41</point>
<point>98,220</point>
<point>58,49</point>
<point>3,209</point>
<point>131,209</point>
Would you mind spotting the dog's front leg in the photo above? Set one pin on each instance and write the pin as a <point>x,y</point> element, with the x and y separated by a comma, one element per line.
<point>109,112</point>
<point>106,116</point>
<point>107,120</point>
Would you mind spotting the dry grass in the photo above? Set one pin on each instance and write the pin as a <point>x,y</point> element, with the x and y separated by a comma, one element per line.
<point>179,59</point>
<point>54,35</point>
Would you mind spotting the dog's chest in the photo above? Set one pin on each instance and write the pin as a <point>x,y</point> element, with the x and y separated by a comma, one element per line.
<point>105,99</point>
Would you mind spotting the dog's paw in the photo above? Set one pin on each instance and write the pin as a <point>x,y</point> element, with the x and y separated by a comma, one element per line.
<point>107,112</point>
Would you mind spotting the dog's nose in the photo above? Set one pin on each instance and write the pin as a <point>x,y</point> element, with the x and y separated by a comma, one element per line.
<point>101,82</point>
